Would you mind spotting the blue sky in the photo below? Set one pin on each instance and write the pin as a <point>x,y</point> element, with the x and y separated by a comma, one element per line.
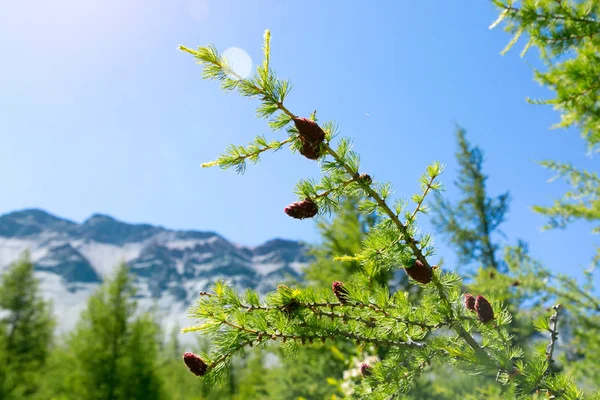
<point>99,111</point>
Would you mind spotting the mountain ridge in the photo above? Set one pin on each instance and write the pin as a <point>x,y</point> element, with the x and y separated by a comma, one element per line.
<point>169,266</point>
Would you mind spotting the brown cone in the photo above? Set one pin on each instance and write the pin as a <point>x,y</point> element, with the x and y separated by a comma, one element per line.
<point>419,272</point>
<point>311,136</point>
<point>469,302</point>
<point>484,310</point>
<point>302,209</point>
<point>309,129</point>
<point>340,291</point>
<point>310,149</point>
<point>196,365</point>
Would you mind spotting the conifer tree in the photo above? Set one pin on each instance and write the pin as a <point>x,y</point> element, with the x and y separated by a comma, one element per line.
<point>26,329</point>
<point>437,327</point>
<point>470,224</point>
<point>114,350</point>
<point>567,35</point>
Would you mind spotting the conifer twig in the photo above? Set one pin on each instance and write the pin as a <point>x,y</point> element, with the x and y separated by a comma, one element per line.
<point>422,199</point>
<point>553,336</point>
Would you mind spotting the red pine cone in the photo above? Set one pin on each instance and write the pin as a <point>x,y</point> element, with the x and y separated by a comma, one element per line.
<point>419,272</point>
<point>309,129</point>
<point>302,209</point>
<point>195,364</point>
<point>340,291</point>
<point>484,310</point>
<point>365,370</point>
<point>469,302</point>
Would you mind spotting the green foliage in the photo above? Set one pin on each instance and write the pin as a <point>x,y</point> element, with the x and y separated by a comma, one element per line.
<point>470,224</point>
<point>26,328</point>
<point>580,203</point>
<point>341,236</point>
<point>567,34</point>
<point>178,382</point>
<point>237,156</point>
<point>579,320</point>
<point>309,342</point>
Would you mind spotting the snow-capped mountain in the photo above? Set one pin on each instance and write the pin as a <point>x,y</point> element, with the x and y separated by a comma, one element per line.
<point>170,266</point>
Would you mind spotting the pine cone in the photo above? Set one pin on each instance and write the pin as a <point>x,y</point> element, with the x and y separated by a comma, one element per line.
<point>365,178</point>
<point>309,129</point>
<point>310,149</point>
<point>302,209</point>
<point>311,136</point>
<point>195,364</point>
<point>484,310</point>
<point>365,370</point>
<point>470,302</point>
<point>340,291</point>
<point>419,272</point>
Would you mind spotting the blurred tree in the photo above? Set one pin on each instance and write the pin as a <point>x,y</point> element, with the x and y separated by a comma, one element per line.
<point>469,225</point>
<point>26,329</point>
<point>114,352</point>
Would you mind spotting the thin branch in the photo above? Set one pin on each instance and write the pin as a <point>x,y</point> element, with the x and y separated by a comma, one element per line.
<point>311,338</point>
<point>515,10</point>
<point>553,336</point>
<point>420,204</point>
<point>239,159</point>
<point>341,186</point>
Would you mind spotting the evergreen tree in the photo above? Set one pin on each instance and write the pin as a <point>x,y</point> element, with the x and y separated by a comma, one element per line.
<point>26,329</point>
<point>470,224</point>
<point>567,35</point>
<point>114,352</point>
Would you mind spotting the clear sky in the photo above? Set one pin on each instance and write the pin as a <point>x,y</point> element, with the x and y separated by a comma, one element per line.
<point>99,111</point>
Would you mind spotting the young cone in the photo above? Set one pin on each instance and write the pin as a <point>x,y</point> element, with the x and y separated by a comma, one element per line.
<point>365,370</point>
<point>419,272</point>
<point>340,291</point>
<point>196,365</point>
<point>309,129</point>
<point>484,310</point>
